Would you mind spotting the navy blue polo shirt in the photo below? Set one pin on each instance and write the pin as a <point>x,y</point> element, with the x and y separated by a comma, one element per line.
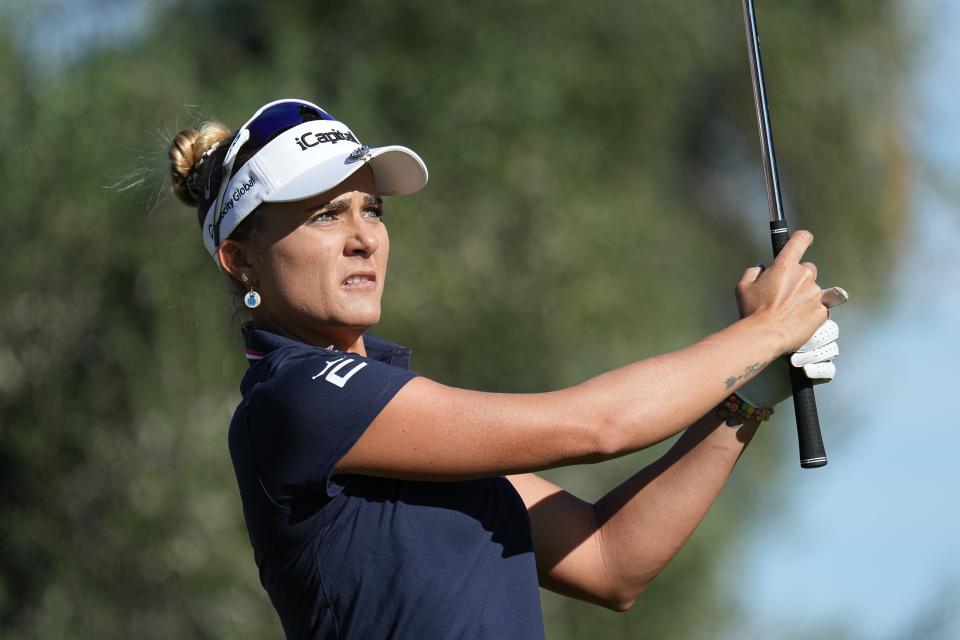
<point>350,556</point>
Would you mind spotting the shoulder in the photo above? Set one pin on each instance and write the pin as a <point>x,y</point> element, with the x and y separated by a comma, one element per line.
<point>297,384</point>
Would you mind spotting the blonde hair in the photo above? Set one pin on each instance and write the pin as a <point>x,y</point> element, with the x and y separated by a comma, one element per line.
<point>192,153</point>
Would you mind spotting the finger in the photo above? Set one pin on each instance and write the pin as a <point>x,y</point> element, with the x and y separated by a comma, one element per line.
<point>812,268</point>
<point>826,352</point>
<point>834,297</point>
<point>820,371</point>
<point>800,240</point>
<point>752,273</point>
<point>828,332</point>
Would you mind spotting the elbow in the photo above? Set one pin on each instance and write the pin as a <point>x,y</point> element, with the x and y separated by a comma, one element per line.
<point>620,600</point>
<point>619,605</point>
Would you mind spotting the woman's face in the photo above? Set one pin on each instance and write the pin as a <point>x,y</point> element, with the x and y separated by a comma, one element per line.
<point>320,264</point>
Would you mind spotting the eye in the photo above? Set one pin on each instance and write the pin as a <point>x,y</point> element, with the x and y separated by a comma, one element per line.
<point>373,212</point>
<point>324,216</point>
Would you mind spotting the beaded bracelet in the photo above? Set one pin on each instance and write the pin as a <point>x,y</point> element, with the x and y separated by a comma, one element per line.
<point>734,410</point>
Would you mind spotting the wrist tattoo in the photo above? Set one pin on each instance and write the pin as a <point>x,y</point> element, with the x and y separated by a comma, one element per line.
<point>749,372</point>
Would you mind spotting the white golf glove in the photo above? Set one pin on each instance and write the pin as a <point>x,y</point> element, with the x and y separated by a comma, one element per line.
<point>772,386</point>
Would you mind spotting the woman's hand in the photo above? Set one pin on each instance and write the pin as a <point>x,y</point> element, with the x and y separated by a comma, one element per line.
<point>815,357</point>
<point>785,297</point>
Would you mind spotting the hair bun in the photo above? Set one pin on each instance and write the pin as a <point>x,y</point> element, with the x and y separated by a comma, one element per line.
<point>188,154</point>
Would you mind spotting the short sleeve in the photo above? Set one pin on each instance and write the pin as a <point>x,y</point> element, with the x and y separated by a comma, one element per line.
<point>304,417</point>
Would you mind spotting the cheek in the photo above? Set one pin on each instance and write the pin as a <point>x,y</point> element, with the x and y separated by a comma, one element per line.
<point>299,272</point>
<point>384,249</point>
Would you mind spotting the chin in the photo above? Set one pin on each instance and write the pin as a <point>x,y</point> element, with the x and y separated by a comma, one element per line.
<point>362,317</point>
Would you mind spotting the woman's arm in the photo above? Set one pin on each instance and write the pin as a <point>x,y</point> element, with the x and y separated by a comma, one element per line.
<point>608,552</point>
<point>429,431</point>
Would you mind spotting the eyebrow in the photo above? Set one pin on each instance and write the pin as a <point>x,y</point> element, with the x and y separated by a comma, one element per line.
<point>343,202</point>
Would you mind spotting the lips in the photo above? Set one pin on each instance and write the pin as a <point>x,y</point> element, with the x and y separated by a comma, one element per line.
<point>360,280</point>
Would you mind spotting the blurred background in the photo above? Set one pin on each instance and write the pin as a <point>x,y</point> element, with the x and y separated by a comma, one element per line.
<point>595,193</point>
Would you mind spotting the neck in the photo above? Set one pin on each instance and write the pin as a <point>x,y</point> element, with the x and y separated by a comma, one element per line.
<point>357,347</point>
<point>346,339</point>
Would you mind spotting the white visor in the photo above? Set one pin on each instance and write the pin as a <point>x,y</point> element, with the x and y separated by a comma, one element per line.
<point>302,162</point>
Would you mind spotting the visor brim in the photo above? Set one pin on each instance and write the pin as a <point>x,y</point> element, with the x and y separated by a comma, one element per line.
<point>396,170</point>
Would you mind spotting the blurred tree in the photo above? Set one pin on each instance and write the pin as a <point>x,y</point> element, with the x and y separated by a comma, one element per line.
<point>595,192</point>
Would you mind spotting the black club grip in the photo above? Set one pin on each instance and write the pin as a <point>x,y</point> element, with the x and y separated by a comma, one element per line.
<point>812,453</point>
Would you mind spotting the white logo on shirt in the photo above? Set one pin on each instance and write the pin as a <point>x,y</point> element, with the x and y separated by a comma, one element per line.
<point>334,377</point>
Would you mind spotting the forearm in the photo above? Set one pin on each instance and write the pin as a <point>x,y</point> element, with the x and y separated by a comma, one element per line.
<point>648,401</point>
<point>644,521</point>
<point>432,432</point>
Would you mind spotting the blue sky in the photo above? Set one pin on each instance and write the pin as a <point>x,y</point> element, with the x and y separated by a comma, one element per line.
<point>872,541</point>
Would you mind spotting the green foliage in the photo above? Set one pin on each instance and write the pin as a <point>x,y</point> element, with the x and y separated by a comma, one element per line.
<point>595,193</point>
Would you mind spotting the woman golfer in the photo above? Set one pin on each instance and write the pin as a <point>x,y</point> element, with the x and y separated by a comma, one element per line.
<point>382,504</point>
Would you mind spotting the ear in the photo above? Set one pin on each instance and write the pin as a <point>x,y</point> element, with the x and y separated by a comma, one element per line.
<point>235,259</point>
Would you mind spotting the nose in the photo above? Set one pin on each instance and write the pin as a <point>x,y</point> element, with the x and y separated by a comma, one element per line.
<point>362,241</point>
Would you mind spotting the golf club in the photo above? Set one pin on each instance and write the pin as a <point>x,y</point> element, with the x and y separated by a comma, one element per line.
<point>812,453</point>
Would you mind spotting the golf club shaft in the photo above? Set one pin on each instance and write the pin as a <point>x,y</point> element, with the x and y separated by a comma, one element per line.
<point>812,453</point>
